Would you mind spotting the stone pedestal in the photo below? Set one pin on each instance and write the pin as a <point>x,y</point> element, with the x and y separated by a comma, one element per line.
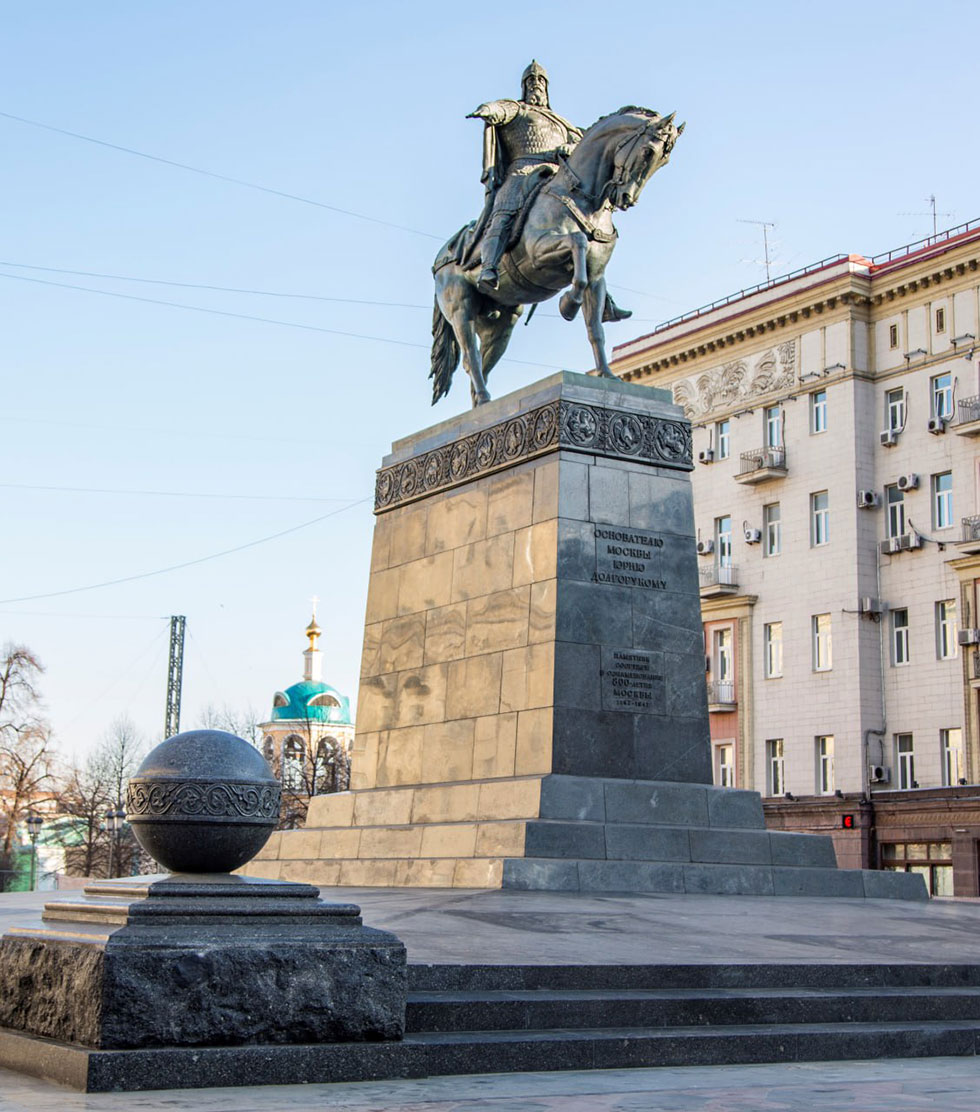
<point>533,637</point>
<point>184,962</point>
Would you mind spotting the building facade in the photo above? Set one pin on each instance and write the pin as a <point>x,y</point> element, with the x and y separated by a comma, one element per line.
<point>836,417</point>
<point>309,736</point>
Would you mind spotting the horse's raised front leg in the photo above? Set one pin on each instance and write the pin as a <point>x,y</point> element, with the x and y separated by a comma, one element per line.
<point>595,300</point>
<point>571,299</point>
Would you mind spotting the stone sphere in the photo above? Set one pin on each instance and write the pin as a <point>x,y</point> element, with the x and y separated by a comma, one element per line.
<point>203,802</point>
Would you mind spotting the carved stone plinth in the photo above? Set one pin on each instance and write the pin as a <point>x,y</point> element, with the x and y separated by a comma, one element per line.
<point>201,961</point>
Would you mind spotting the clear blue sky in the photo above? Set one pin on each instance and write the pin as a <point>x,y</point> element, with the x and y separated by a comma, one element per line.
<point>832,120</point>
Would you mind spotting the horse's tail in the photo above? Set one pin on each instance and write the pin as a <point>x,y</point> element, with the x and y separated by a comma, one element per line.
<point>445,354</point>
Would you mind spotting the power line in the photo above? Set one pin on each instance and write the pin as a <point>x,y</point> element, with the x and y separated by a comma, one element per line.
<point>168,493</point>
<point>218,289</point>
<point>248,316</point>
<point>186,563</point>
<point>220,177</point>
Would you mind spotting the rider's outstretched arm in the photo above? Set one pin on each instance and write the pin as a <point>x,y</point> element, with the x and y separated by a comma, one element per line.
<point>495,112</point>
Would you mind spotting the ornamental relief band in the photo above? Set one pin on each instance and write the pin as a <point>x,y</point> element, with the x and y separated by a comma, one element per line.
<point>559,424</point>
<point>183,799</point>
<point>720,388</point>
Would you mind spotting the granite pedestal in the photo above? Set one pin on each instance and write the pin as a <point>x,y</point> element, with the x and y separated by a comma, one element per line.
<point>533,708</point>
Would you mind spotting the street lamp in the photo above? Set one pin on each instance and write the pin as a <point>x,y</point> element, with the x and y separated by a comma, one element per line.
<point>34,823</point>
<point>114,822</point>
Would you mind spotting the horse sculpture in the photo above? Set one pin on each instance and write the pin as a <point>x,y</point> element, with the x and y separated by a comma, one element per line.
<point>566,238</point>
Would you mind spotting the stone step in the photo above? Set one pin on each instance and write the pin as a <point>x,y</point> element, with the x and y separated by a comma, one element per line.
<point>643,842</point>
<point>432,978</point>
<point>430,1054</point>
<point>560,875</point>
<point>528,1010</point>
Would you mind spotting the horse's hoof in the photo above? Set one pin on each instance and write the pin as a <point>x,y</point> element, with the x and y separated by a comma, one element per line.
<point>568,306</point>
<point>480,399</point>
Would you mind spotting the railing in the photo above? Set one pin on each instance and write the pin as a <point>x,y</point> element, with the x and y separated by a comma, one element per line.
<point>970,528</point>
<point>721,691</point>
<point>929,241</point>
<point>969,409</point>
<point>719,575</point>
<point>762,458</point>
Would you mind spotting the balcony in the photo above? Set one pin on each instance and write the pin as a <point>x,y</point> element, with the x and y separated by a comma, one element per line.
<point>718,580</point>
<point>761,465</point>
<point>721,696</point>
<point>969,542</point>
<point>968,417</point>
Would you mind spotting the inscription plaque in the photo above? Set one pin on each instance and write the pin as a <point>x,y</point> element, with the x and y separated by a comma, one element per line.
<point>627,558</point>
<point>632,680</point>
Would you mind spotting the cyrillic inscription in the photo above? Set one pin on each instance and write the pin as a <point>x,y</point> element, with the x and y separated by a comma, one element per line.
<point>626,558</point>
<point>632,680</point>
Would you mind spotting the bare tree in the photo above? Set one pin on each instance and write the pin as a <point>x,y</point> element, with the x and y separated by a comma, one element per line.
<point>26,754</point>
<point>243,724</point>
<point>85,798</point>
<point>316,765</point>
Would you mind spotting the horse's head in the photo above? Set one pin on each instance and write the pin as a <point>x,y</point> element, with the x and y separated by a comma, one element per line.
<point>640,154</point>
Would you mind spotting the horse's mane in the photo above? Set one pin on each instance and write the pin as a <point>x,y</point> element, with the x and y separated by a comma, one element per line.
<point>628,110</point>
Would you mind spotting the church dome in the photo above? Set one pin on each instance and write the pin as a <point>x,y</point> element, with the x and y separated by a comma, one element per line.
<point>311,700</point>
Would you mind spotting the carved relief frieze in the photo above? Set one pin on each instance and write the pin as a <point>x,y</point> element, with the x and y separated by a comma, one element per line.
<point>188,799</point>
<point>740,380</point>
<point>576,426</point>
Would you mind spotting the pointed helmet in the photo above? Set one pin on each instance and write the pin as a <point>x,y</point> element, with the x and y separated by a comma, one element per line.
<point>534,70</point>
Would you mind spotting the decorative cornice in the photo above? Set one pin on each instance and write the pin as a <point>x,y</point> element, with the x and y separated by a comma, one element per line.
<point>190,800</point>
<point>573,426</point>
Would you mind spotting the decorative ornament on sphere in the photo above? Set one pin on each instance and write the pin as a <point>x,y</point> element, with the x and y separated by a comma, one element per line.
<point>204,801</point>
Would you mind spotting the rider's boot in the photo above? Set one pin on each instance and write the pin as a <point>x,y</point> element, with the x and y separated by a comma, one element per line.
<point>612,312</point>
<point>492,249</point>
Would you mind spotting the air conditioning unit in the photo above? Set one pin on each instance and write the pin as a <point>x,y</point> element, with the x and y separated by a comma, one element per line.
<point>879,774</point>
<point>968,637</point>
<point>937,425</point>
<point>908,482</point>
<point>889,438</point>
<point>707,456</point>
<point>867,499</point>
<point>914,541</point>
<point>705,548</point>
<point>869,605</point>
<point>753,536</point>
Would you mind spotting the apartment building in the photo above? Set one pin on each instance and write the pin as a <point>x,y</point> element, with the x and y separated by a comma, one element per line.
<point>836,416</point>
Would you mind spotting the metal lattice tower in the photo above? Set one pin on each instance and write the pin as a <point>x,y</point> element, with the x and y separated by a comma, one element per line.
<point>175,675</point>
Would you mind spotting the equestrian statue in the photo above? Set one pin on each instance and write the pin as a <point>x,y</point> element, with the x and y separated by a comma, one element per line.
<point>546,225</point>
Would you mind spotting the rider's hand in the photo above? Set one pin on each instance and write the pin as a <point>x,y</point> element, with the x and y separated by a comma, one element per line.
<point>481,113</point>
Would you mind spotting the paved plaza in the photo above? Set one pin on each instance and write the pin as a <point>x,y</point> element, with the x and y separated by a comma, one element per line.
<point>535,927</point>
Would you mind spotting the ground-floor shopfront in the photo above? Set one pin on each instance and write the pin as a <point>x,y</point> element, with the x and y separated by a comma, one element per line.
<point>931,831</point>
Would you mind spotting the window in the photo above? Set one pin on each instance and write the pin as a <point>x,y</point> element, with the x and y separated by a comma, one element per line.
<point>723,439</point>
<point>819,518</point>
<point>725,765</point>
<point>772,530</point>
<point>946,645</point>
<point>723,541</point>
<point>722,663</point>
<point>825,764</point>
<point>822,647</point>
<point>940,320</point>
<point>905,761</point>
<point>774,426</point>
<point>895,407</point>
<point>951,746</point>
<point>942,500</point>
<point>293,753</point>
<point>775,767</point>
<point>268,749</point>
<point>895,502</point>
<point>933,861</point>
<point>893,336</point>
<point>774,649</point>
<point>941,394</point>
<point>818,411</point>
<point>900,636</point>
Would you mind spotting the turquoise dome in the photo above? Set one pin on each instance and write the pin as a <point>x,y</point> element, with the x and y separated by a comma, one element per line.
<point>312,700</point>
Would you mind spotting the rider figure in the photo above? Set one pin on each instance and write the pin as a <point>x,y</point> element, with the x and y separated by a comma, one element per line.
<point>521,138</point>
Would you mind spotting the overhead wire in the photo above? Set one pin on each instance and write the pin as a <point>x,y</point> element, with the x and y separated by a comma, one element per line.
<point>251,317</point>
<point>168,493</point>
<point>220,177</point>
<point>185,563</point>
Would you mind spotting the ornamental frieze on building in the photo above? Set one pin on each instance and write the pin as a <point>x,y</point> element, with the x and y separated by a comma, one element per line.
<point>622,434</point>
<point>723,387</point>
